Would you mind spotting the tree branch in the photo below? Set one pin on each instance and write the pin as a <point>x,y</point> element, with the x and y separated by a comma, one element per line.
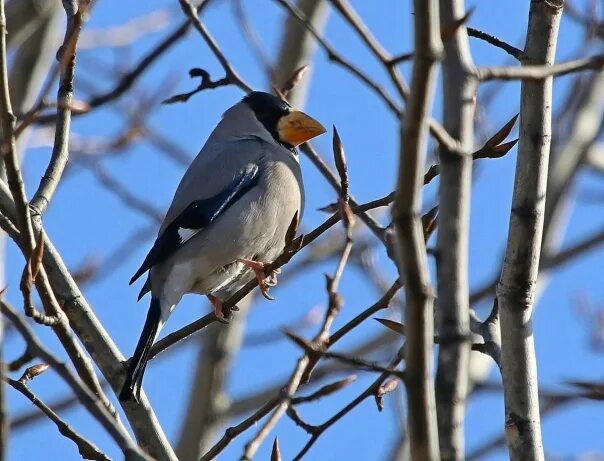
<point>92,404</point>
<point>412,257</point>
<point>516,287</point>
<point>540,72</point>
<point>60,153</point>
<point>191,12</point>
<point>86,448</point>
<point>459,88</point>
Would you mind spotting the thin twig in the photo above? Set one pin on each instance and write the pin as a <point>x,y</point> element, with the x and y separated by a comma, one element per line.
<point>233,77</point>
<point>127,80</point>
<point>509,49</point>
<point>436,129</point>
<point>336,57</point>
<point>89,400</point>
<point>372,390</point>
<point>86,448</point>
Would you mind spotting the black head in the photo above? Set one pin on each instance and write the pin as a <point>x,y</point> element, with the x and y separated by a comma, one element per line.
<point>268,109</point>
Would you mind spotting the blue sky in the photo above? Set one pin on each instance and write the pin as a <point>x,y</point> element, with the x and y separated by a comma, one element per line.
<point>370,136</point>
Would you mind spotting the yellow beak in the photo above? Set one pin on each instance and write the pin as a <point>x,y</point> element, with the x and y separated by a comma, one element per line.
<point>297,127</point>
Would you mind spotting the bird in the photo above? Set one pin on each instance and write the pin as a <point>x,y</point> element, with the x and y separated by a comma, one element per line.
<point>229,216</point>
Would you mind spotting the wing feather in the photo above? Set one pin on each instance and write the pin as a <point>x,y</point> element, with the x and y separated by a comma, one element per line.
<point>195,217</point>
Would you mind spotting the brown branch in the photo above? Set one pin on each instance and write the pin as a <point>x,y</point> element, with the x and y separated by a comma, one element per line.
<point>191,12</point>
<point>128,79</point>
<point>509,49</point>
<point>86,448</point>
<point>337,58</point>
<point>436,129</point>
<point>324,391</point>
<point>357,24</point>
<point>89,400</point>
<point>232,432</point>
<point>331,178</point>
<point>313,351</point>
<point>372,390</point>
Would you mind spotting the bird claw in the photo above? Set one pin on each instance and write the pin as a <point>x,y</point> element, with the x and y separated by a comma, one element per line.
<point>217,304</point>
<point>271,280</point>
<point>264,282</point>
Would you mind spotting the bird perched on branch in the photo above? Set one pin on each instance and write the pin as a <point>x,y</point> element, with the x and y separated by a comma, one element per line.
<point>229,216</point>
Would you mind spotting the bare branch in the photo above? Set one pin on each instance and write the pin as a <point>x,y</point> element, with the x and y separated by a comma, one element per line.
<point>372,390</point>
<point>516,287</point>
<point>94,338</point>
<point>86,448</point>
<point>305,364</point>
<point>336,57</point>
<point>92,404</point>
<point>509,49</point>
<point>536,72</point>
<point>7,147</point>
<point>459,90</point>
<point>411,252</point>
<point>60,154</point>
<point>233,77</point>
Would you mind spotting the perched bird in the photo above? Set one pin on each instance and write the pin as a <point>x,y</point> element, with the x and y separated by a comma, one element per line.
<point>229,215</point>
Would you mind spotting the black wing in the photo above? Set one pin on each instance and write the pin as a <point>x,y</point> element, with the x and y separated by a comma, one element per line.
<point>195,217</point>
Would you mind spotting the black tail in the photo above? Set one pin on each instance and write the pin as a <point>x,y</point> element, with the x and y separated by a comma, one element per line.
<point>138,362</point>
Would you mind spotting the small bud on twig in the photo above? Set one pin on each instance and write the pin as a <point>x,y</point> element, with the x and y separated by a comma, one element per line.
<point>33,371</point>
<point>384,389</point>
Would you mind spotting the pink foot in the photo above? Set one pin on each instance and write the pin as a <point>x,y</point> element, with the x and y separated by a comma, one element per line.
<point>264,282</point>
<point>217,304</point>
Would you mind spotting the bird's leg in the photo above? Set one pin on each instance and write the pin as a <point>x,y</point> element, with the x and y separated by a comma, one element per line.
<point>217,303</point>
<point>264,282</point>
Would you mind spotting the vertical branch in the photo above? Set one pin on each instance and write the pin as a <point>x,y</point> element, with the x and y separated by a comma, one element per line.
<point>412,258</point>
<point>298,47</point>
<point>516,287</point>
<point>7,148</point>
<point>209,402</point>
<point>60,152</point>
<point>459,88</point>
